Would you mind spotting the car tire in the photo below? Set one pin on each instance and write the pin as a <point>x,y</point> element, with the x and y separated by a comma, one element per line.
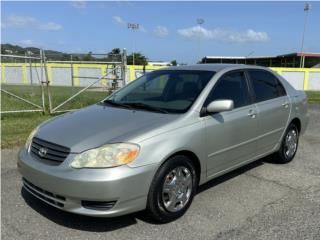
<point>172,189</point>
<point>289,145</point>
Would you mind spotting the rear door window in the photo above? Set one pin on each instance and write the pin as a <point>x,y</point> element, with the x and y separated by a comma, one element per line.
<point>265,85</point>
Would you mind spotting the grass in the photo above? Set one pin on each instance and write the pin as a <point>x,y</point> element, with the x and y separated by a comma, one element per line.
<point>58,95</point>
<point>16,127</point>
<point>313,96</point>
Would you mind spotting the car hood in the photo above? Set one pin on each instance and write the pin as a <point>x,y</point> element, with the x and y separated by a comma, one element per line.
<point>98,124</point>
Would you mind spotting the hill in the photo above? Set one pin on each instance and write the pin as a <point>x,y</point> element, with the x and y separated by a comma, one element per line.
<point>113,56</point>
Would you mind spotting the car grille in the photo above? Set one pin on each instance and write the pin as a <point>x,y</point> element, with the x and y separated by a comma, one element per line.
<point>46,196</point>
<point>55,154</point>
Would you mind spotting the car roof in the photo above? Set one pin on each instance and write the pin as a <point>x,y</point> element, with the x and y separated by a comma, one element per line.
<point>216,67</point>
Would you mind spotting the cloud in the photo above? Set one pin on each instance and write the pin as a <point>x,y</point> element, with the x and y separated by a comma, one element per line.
<point>27,42</point>
<point>223,35</point>
<point>50,26</point>
<point>141,28</point>
<point>248,36</point>
<point>79,4</point>
<point>119,20</point>
<point>14,21</point>
<point>19,21</point>
<point>161,31</point>
<point>61,42</point>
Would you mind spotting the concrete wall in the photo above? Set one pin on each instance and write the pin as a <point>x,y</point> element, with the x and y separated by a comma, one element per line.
<point>296,79</point>
<point>61,74</point>
<point>301,78</point>
<point>314,81</point>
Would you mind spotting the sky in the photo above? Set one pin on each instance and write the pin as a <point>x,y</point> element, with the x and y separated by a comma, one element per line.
<point>167,30</point>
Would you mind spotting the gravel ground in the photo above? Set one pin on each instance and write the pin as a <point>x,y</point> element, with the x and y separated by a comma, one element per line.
<point>259,201</point>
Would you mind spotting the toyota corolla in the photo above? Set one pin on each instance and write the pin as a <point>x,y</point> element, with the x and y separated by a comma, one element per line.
<point>150,144</point>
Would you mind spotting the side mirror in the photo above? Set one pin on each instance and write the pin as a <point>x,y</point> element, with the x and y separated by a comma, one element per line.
<point>220,106</point>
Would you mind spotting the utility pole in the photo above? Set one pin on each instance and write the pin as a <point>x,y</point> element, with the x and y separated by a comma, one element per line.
<point>306,11</point>
<point>134,27</point>
<point>200,21</point>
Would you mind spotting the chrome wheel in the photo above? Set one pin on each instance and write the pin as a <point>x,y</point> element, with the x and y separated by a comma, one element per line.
<point>291,143</point>
<point>177,189</point>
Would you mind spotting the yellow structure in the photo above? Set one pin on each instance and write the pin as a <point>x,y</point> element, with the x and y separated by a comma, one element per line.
<point>306,74</point>
<point>132,72</point>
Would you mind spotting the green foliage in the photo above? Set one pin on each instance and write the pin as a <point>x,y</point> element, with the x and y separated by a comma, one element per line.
<point>139,59</point>
<point>174,63</point>
<point>88,57</point>
<point>12,49</point>
<point>115,51</point>
<point>313,96</point>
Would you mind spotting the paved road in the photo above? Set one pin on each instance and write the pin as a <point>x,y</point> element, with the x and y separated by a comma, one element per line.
<point>259,201</point>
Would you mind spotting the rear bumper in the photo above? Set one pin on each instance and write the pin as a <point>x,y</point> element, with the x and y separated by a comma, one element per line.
<point>66,188</point>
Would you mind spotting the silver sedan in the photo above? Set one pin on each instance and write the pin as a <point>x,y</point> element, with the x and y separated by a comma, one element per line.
<point>152,143</point>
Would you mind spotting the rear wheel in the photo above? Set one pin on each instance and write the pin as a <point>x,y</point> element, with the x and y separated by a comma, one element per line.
<point>289,145</point>
<point>172,189</point>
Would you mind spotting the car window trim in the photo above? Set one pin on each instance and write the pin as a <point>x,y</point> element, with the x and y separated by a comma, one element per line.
<point>252,89</point>
<point>250,97</point>
<point>280,83</point>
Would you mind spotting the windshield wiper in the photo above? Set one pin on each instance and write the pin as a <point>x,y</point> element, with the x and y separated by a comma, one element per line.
<point>146,106</point>
<point>117,104</point>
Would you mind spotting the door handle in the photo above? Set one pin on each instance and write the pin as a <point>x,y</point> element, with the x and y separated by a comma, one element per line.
<point>285,104</point>
<point>252,113</point>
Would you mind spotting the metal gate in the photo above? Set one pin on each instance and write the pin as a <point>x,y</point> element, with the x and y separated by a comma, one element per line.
<point>22,83</point>
<point>41,83</point>
<point>88,81</point>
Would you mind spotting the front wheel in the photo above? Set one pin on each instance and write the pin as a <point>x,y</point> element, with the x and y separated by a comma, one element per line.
<point>172,189</point>
<point>289,145</point>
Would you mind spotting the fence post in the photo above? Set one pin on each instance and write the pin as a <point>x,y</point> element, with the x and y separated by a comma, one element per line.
<point>41,83</point>
<point>306,79</point>
<point>124,66</point>
<point>43,57</point>
<point>30,70</point>
<point>3,75</point>
<point>72,73</point>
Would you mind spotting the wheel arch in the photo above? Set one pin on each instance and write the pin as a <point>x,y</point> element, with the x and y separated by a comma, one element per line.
<point>192,156</point>
<point>296,121</point>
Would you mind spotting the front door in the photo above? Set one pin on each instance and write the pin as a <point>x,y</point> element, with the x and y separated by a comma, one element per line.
<point>230,136</point>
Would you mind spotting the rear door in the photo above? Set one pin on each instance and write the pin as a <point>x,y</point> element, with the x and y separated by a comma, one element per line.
<point>230,136</point>
<point>273,106</point>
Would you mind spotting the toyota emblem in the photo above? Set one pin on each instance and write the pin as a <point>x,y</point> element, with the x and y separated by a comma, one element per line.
<point>42,152</point>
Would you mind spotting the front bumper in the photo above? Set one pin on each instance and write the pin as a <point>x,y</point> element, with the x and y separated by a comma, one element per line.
<point>67,188</point>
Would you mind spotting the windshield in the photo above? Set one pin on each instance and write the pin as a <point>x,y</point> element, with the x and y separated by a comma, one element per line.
<point>172,91</point>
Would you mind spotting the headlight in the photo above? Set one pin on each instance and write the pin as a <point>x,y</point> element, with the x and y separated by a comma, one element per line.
<point>110,155</point>
<point>29,139</point>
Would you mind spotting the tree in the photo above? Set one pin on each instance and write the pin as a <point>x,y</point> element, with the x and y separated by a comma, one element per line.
<point>174,63</point>
<point>139,59</point>
<point>113,56</point>
<point>88,57</point>
<point>65,57</point>
<point>115,51</point>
